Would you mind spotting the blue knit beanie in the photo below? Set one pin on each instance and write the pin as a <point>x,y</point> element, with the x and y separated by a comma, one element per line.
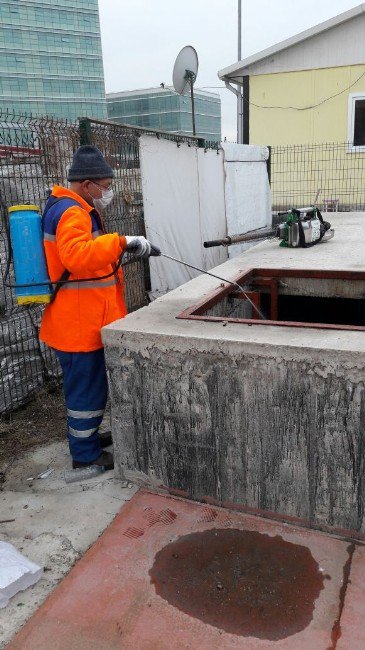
<point>88,163</point>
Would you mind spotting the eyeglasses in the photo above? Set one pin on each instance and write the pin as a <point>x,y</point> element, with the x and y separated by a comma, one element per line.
<point>103,187</point>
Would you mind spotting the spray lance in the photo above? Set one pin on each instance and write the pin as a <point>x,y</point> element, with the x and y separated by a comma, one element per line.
<point>158,253</point>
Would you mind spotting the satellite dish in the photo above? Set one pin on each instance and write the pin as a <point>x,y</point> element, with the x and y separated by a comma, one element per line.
<point>184,74</point>
<point>185,68</point>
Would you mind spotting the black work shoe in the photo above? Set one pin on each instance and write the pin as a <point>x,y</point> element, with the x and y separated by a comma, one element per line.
<point>105,439</point>
<point>105,460</point>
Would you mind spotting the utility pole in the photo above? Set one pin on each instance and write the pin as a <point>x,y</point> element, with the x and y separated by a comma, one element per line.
<point>239,90</point>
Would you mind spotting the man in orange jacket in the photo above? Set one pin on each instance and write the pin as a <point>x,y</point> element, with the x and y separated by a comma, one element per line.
<point>82,259</point>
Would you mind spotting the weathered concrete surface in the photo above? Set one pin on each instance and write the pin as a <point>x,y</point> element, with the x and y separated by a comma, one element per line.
<point>271,418</point>
<point>51,523</point>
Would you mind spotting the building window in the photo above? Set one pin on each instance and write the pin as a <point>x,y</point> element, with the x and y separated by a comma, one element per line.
<point>356,122</point>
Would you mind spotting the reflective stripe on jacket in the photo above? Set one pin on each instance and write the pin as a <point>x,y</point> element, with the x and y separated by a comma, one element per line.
<point>74,240</point>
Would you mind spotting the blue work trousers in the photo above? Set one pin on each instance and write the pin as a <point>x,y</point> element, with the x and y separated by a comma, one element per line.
<point>86,390</point>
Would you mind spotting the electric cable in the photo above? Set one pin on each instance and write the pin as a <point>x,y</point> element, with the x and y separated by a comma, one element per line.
<point>57,282</point>
<point>293,108</point>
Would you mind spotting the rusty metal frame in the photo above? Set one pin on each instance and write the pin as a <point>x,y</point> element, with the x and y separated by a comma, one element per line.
<point>269,278</point>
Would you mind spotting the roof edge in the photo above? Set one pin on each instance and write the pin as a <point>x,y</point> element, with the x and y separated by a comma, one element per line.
<point>225,73</point>
<point>156,90</point>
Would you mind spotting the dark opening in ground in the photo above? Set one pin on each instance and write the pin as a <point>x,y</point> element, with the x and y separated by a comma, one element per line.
<point>290,297</point>
<point>308,309</point>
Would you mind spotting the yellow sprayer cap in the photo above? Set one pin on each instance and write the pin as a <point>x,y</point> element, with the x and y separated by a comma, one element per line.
<point>16,208</point>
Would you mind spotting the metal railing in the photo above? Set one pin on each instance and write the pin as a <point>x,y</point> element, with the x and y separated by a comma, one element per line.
<point>35,154</point>
<point>332,175</point>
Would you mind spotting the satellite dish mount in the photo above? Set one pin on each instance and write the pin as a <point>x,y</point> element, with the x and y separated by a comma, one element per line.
<point>184,75</point>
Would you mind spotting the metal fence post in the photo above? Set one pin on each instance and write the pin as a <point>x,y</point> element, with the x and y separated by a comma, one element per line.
<point>85,130</point>
<point>268,164</point>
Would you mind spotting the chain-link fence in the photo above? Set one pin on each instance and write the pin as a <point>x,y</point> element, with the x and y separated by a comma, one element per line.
<point>35,154</point>
<point>332,175</point>
<point>120,146</point>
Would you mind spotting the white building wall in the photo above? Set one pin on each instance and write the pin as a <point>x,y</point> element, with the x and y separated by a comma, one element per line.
<point>341,45</point>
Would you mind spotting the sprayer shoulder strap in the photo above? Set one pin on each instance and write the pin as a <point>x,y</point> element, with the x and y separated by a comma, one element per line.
<point>51,202</point>
<point>57,286</point>
<point>52,227</point>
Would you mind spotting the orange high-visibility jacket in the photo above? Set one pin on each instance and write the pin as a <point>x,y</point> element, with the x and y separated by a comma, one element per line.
<point>74,240</point>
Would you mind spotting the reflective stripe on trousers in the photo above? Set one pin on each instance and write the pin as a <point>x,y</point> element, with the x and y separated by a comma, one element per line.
<point>85,387</point>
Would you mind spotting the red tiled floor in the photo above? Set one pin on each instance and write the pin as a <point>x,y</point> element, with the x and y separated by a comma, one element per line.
<point>109,602</point>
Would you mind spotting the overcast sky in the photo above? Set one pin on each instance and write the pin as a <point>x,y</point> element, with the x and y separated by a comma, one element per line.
<point>141,38</point>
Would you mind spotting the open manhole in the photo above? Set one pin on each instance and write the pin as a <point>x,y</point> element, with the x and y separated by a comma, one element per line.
<point>289,297</point>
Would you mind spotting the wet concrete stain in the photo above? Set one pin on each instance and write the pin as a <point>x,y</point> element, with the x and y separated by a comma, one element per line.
<point>240,581</point>
<point>336,630</point>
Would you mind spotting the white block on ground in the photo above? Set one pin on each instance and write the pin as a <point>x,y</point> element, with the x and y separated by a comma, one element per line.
<point>16,573</point>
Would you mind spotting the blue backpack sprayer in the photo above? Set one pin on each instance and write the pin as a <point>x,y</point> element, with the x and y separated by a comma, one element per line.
<point>25,233</point>
<point>25,245</point>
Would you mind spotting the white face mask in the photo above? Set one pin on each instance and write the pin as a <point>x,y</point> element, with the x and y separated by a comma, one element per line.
<point>106,198</point>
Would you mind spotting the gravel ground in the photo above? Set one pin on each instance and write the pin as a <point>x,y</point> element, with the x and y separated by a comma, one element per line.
<point>41,421</point>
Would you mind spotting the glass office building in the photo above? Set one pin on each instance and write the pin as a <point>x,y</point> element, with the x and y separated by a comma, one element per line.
<point>51,59</point>
<point>163,108</point>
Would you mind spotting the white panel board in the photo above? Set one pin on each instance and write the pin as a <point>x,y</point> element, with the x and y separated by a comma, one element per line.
<point>171,209</point>
<point>183,197</point>
<point>247,191</point>
<point>212,205</point>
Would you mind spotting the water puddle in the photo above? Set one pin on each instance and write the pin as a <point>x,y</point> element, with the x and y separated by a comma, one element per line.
<point>240,581</point>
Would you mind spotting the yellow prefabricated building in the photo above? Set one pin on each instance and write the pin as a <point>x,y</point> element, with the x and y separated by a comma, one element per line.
<point>309,90</point>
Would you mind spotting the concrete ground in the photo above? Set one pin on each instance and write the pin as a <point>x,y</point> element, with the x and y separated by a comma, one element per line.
<point>51,523</point>
<point>173,574</point>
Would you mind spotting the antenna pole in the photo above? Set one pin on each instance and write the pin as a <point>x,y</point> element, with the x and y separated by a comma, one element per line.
<point>192,102</point>
<point>239,89</point>
<point>239,29</point>
<point>191,76</point>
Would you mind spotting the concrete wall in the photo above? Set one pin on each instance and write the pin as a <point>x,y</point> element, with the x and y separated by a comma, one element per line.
<point>269,418</point>
<point>238,425</point>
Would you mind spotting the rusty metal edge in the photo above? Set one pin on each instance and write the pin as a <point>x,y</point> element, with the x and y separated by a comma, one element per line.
<point>196,312</point>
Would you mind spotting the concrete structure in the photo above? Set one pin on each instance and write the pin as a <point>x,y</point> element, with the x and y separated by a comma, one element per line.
<point>322,71</point>
<point>262,417</point>
<point>163,108</point>
<point>51,59</point>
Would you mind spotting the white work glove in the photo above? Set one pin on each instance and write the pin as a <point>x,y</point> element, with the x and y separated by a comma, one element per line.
<point>138,245</point>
